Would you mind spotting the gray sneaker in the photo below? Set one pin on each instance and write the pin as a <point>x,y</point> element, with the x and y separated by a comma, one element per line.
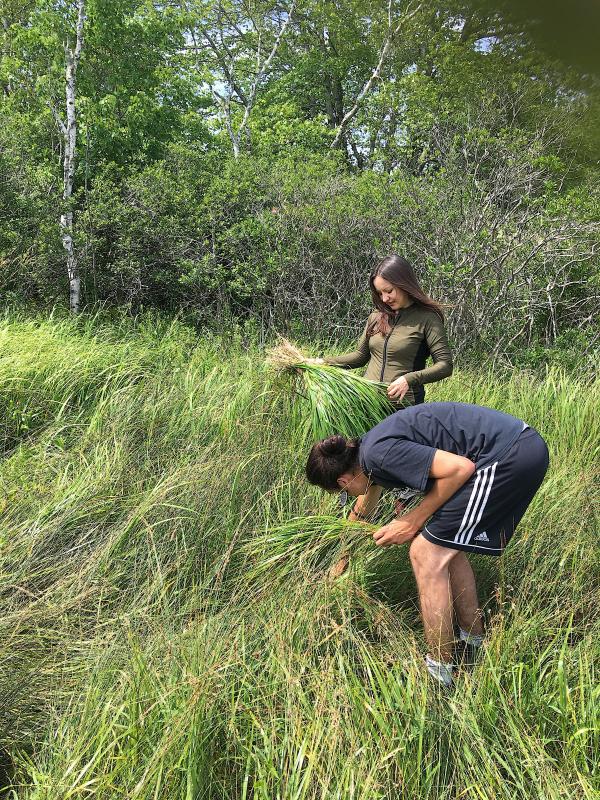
<point>441,674</point>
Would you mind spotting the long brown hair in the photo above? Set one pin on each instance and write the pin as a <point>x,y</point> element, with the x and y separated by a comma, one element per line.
<point>399,272</point>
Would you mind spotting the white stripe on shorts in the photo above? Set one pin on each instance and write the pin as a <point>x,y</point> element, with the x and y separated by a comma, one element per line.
<point>469,504</point>
<point>476,504</point>
<point>469,533</point>
<point>481,491</point>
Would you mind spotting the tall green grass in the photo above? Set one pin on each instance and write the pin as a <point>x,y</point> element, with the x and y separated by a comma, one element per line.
<point>156,641</point>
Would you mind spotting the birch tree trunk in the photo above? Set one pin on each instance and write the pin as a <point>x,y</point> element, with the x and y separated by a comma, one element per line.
<point>392,33</point>
<point>244,98</point>
<point>69,132</point>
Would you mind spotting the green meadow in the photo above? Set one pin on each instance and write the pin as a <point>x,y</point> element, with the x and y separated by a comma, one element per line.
<point>156,645</point>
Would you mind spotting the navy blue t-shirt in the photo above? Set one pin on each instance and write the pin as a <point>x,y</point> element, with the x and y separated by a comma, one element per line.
<point>399,450</point>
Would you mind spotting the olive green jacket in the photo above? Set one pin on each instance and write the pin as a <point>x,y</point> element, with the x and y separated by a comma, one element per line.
<point>417,333</point>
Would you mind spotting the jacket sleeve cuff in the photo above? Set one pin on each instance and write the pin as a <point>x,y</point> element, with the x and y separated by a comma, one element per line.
<point>412,379</point>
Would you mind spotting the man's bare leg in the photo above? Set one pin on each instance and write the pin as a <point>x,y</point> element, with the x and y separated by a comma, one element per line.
<point>431,565</point>
<point>464,594</point>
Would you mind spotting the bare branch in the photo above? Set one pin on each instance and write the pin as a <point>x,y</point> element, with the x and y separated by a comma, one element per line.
<point>58,119</point>
<point>262,71</point>
<point>376,72</point>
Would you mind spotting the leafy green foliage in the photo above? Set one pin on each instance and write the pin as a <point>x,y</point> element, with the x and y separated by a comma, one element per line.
<point>474,153</point>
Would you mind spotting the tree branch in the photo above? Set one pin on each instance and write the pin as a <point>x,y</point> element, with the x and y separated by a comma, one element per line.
<point>375,75</point>
<point>58,120</point>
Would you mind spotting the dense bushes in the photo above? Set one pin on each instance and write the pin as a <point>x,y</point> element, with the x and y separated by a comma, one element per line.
<point>291,242</point>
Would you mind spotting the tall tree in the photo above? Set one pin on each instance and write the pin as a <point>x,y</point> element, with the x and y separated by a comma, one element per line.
<point>237,42</point>
<point>73,48</point>
<point>394,26</point>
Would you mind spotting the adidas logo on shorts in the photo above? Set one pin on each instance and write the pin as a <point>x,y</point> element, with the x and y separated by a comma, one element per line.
<point>481,537</point>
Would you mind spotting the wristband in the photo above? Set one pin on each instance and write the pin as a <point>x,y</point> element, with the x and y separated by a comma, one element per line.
<point>359,515</point>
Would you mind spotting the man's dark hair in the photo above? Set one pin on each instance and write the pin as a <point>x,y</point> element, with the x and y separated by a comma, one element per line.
<point>330,458</point>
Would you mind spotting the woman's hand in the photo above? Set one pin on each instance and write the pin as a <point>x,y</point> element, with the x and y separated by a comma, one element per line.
<point>315,361</point>
<point>397,532</point>
<point>398,388</point>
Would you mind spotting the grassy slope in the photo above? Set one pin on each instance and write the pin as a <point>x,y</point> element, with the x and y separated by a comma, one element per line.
<point>137,658</point>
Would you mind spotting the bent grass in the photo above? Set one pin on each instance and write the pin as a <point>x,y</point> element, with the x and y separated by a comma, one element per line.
<point>167,626</point>
<point>307,545</point>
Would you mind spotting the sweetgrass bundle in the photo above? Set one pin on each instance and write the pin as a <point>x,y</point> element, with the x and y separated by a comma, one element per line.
<point>308,545</point>
<point>334,400</point>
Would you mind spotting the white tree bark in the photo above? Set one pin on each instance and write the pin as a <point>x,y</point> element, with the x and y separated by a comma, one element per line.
<point>385,47</point>
<point>244,98</point>
<point>69,133</point>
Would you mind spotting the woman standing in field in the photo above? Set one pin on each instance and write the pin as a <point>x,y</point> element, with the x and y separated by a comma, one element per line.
<point>479,469</point>
<point>406,327</point>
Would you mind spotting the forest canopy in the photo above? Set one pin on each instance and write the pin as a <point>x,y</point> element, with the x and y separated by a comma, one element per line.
<point>253,160</point>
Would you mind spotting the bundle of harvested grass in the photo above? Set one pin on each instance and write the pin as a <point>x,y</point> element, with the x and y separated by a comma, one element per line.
<point>336,400</point>
<point>308,545</point>
<point>285,356</point>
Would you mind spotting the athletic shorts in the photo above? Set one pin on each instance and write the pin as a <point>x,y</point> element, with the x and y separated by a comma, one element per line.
<point>483,514</point>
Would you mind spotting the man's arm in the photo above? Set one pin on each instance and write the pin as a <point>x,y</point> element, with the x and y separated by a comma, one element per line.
<point>365,504</point>
<point>449,472</point>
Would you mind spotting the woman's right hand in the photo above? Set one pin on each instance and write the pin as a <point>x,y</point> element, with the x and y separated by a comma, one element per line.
<point>315,360</point>
<point>398,388</point>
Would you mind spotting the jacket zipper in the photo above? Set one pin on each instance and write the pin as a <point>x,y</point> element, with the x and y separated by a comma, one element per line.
<point>385,344</point>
